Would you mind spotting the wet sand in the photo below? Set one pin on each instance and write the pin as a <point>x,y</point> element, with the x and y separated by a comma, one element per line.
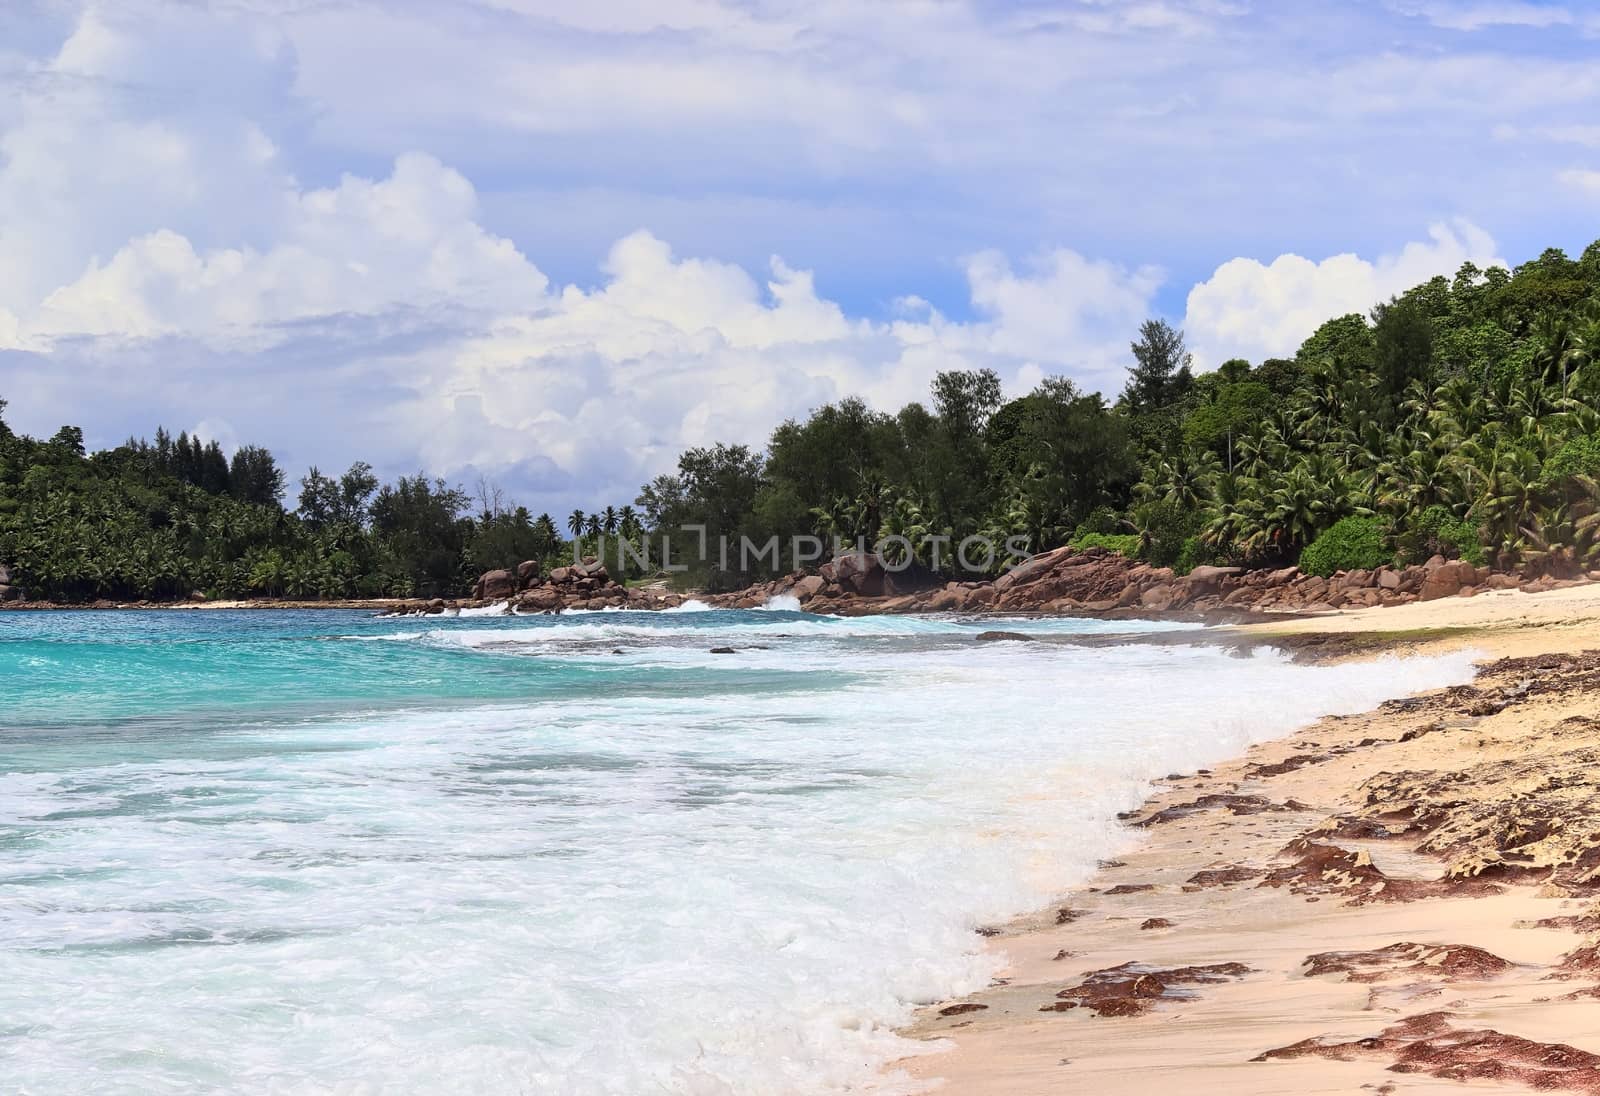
<point>1402,901</point>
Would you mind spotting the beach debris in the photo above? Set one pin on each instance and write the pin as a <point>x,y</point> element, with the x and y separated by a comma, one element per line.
<point>1430,1044</point>
<point>1586,922</point>
<point>1521,816</point>
<point>1065,916</point>
<point>1232,802</point>
<point>1222,877</point>
<point>1329,869</point>
<point>1354,827</point>
<point>1155,923</point>
<point>1131,888</point>
<point>1580,962</point>
<point>1287,765</point>
<point>1134,988</point>
<point>1452,962</point>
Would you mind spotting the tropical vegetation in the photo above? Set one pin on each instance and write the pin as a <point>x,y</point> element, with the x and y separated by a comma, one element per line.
<point>1461,418</point>
<point>1458,418</point>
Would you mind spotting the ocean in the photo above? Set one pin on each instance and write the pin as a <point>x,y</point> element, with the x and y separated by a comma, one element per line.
<point>308,852</point>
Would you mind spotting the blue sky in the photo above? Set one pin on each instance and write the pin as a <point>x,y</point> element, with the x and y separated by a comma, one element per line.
<point>553,244</point>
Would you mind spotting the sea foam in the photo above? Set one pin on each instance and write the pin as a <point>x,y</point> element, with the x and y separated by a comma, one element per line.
<point>679,871</point>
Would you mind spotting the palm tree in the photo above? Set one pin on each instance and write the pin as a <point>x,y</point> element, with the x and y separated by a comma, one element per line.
<point>1510,497</point>
<point>575,523</point>
<point>1552,344</point>
<point>608,521</point>
<point>267,572</point>
<point>546,534</point>
<point>592,525</point>
<point>1583,342</point>
<point>628,521</point>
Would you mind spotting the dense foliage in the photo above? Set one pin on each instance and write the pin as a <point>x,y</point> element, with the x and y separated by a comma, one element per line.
<point>164,519</point>
<point>1354,543</point>
<point>1459,418</point>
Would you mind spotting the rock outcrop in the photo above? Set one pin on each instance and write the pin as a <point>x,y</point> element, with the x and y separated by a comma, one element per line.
<point>1095,581</point>
<point>495,586</point>
<point>8,592</point>
<point>1087,582</point>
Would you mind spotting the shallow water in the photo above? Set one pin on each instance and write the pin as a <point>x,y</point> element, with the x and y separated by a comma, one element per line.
<point>310,852</point>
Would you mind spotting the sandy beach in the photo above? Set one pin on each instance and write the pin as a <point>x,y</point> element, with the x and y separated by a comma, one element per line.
<point>1402,901</point>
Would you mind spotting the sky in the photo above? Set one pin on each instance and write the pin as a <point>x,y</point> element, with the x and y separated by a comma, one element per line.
<point>553,244</point>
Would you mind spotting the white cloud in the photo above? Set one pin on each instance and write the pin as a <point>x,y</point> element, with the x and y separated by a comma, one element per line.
<point>1454,15</point>
<point>362,248</point>
<point>1256,310</point>
<point>386,303</point>
<point>218,430</point>
<point>1584,179</point>
<point>186,269</point>
<point>1067,310</point>
<point>103,148</point>
<point>1577,135</point>
<point>199,257</point>
<point>671,352</point>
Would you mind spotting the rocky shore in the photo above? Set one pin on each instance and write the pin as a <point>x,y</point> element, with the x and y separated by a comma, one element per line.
<point>1098,582</point>
<point>1407,900</point>
<point>1092,582</point>
<point>1064,581</point>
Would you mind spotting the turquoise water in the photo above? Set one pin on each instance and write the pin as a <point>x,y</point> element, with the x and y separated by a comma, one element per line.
<point>312,852</point>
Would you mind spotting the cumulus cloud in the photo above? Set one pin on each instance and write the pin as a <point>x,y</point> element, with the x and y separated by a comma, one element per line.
<point>300,257</point>
<point>1255,310</point>
<point>103,147</point>
<point>196,279</point>
<point>581,391</point>
<point>669,352</point>
<point>1065,309</point>
<point>379,317</point>
<point>363,247</point>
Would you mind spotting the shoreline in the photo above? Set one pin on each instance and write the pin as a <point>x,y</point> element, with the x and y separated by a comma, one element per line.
<point>1397,901</point>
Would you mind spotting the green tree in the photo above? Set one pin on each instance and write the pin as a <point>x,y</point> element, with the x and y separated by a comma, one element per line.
<point>1161,368</point>
<point>255,476</point>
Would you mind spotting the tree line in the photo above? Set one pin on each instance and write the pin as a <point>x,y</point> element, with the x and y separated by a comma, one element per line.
<point>1459,417</point>
<point>166,518</point>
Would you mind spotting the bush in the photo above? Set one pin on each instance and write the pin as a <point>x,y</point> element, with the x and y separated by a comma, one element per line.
<point>1577,457</point>
<point>1167,528</point>
<point>1127,544</point>
<point>1195,552</point>
<point>1437,531</point>
<point>1352,544</point>
<point>1102,519</point>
